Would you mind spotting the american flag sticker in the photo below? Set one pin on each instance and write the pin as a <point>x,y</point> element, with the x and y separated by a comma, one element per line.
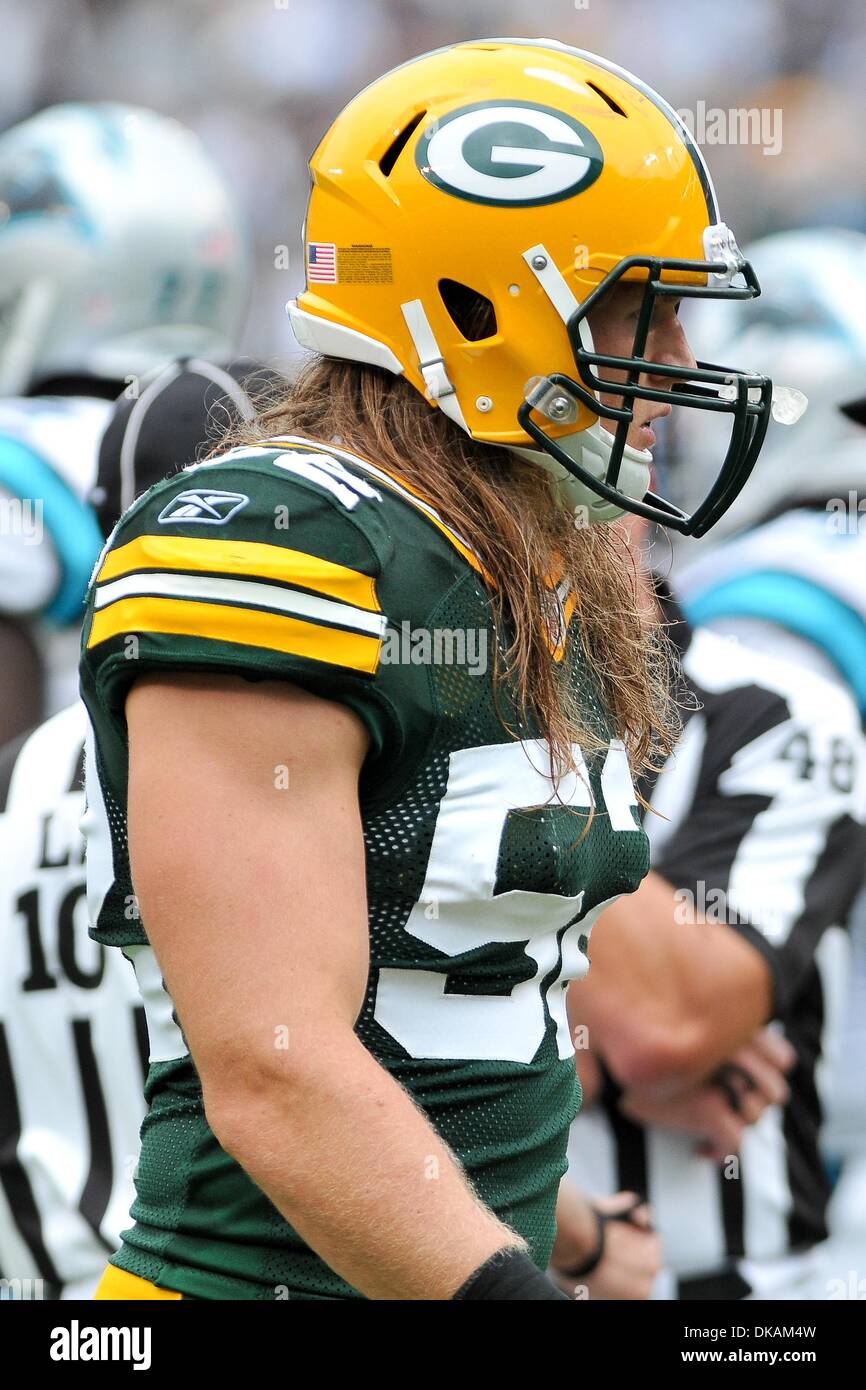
<point>322,263</point>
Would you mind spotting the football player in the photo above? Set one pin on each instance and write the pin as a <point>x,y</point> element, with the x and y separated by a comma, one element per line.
<point>119,248</point>
<point>73,1041</point>
<point>366,689</point>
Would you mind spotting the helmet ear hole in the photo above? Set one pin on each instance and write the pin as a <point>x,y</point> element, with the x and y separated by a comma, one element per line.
<point>470,310</point>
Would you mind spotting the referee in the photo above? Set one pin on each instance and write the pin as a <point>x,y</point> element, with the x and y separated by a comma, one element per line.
<point>758,853</point>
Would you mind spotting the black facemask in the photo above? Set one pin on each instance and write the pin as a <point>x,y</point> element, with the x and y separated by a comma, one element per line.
<point>745,396</point>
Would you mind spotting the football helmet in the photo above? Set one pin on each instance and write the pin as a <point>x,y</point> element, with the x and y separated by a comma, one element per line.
<point>120,247</point>
<point>528,178</point>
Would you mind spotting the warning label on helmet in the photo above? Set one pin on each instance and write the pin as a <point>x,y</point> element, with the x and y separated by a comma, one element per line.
<point>365,264</point>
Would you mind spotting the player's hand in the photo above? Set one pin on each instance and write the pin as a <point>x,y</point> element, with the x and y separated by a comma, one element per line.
<point>631,1253</point>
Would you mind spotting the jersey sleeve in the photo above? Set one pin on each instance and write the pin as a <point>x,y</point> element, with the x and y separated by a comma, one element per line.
<point>238,568</point>
<point>773,842</point>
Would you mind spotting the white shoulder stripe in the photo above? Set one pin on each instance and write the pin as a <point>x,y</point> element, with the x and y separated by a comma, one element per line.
<point>242,593</point>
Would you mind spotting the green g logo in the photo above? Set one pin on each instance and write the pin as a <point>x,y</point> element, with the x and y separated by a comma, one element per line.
<point>509,153</point>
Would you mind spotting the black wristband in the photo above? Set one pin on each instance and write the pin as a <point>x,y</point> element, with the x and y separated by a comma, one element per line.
<point>510,1274</point>
<point>593,1260</point>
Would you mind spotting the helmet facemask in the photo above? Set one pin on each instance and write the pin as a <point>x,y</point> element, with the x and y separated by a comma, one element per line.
<point>747,397</point>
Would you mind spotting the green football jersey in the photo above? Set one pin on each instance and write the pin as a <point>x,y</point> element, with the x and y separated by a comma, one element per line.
<point>298,562</point>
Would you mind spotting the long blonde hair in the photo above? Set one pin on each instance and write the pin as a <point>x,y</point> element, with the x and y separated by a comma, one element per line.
<point>506,511</point>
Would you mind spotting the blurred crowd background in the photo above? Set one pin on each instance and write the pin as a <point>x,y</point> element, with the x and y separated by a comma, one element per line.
<point>261,79</point>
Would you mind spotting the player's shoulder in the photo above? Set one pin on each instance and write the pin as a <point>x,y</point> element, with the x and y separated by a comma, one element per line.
<point>286,525</point>
<point>237,563</point>
<point>257,494</point>
<point>299,494</point>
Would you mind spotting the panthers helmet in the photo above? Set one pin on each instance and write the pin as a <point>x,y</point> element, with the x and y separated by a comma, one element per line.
<point>809,328</point>
<point>119,247</point>
<point>529,178</point>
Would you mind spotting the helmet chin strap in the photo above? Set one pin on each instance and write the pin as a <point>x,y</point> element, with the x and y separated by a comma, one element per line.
<point>591,448</point>
<point>431,363</point>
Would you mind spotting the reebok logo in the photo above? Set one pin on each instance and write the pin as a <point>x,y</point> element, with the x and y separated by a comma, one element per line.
<point>205,506</point>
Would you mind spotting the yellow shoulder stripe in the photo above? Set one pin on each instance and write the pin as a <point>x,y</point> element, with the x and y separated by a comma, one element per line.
<point>117,1284</point>
<point>250,558</point>
<point>248,627</point>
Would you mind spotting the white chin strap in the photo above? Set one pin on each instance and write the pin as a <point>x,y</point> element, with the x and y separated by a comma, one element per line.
<point>431,363</point>
<point>591,448</point>
<point>336,340</point>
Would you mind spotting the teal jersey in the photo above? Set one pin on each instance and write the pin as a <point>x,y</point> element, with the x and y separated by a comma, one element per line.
<point>298,562</point>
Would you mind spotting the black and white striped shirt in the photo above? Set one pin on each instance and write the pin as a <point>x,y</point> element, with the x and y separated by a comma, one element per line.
<point>764,830</point>
<point>73,1042</point>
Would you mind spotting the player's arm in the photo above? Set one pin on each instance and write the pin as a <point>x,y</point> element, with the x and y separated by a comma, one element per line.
<point>248,863</point>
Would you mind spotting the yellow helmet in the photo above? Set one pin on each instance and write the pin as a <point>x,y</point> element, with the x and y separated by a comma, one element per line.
<point>467,211</point>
